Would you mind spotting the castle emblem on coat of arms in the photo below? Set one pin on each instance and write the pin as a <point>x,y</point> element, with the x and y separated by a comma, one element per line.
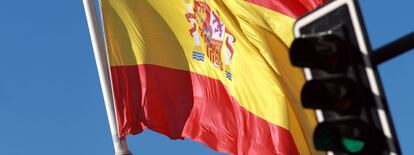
<point>210,35</point>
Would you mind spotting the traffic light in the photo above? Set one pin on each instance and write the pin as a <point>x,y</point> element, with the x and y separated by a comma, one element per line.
<point>341,83</point>
<point>338,86</point>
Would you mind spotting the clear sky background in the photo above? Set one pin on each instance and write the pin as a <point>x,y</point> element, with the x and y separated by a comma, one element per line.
<point>51,101</point>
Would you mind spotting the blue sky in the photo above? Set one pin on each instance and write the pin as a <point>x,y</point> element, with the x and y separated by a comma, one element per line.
<point>51,101</point>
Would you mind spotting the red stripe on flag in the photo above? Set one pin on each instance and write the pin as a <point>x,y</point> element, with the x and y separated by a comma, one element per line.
<point>292,8</point>
<point>181,104</point>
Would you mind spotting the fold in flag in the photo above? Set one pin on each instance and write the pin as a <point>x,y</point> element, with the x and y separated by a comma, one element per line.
<point>213,71</point>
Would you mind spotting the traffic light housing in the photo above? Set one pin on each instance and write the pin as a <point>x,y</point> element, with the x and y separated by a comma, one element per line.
<point>341,83</point>
<point>338,86</point>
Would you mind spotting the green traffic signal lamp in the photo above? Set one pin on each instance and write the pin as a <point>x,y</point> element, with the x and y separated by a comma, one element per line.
<point>352,136</point>
<point>326,52</point>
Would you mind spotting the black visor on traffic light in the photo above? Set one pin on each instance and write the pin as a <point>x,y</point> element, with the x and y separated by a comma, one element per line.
<point>340,94</point>
<point>326,52</point>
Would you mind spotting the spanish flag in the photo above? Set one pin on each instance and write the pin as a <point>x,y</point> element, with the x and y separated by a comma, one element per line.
<point>214,71</point>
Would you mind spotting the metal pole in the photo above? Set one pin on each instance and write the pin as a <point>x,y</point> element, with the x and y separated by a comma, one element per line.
<point>99,50</point>
<point>393,49</point>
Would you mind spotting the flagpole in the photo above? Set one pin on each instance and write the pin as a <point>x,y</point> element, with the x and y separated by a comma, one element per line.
<point>99,50</point>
